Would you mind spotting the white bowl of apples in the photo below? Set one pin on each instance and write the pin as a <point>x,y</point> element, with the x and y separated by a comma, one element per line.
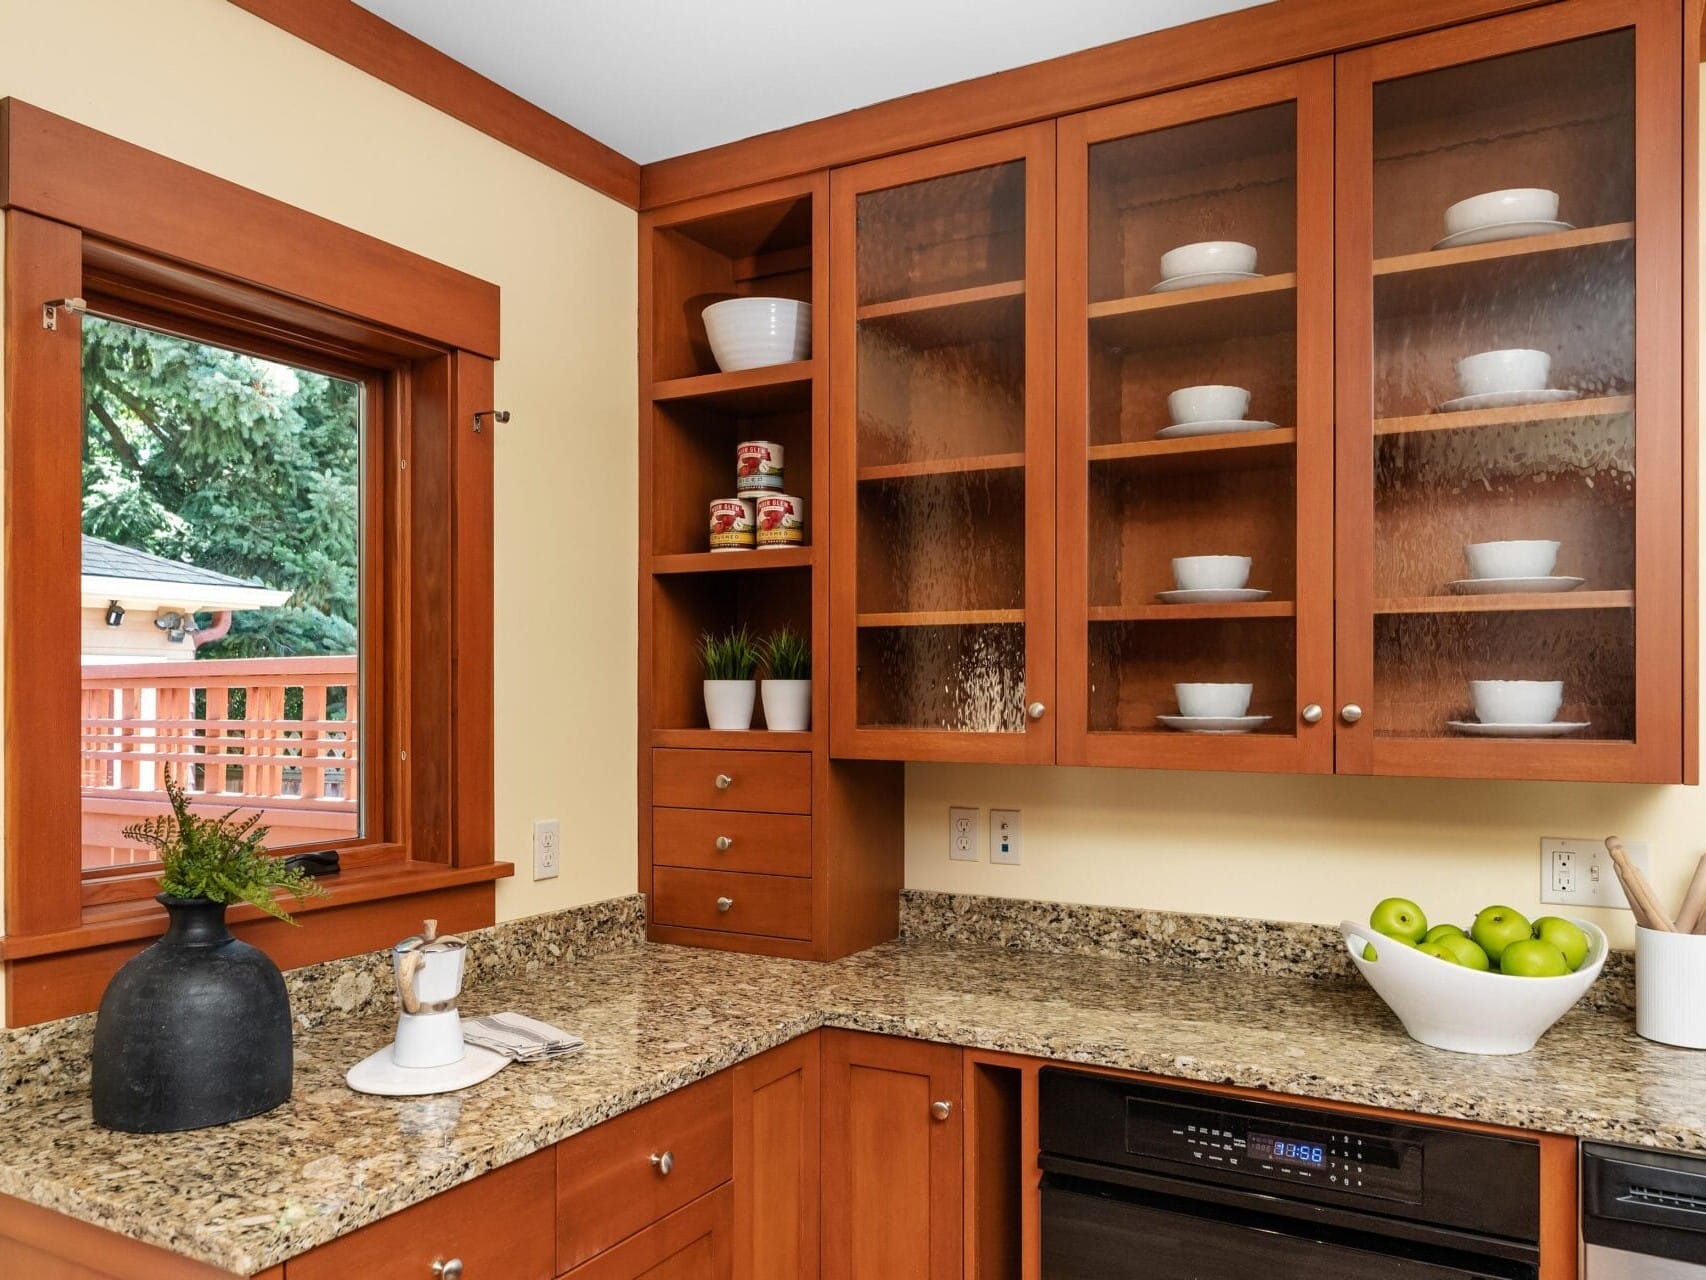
<point>1493,988</point>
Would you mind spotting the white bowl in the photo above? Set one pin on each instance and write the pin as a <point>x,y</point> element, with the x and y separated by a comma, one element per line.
<point>1516,701</point>
<point>1513,369</point>
<point>1523,558</point>
<point>1468,1010</point>
<point>1207,404</point>
<point>1210,573</point>
<point>750,333</point>
<point>1513,204</point>
<point>1208,255</point>
<point>1219,700</point>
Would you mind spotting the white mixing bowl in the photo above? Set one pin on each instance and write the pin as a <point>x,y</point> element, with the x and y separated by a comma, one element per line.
<point>750,333</point>
<point>1218,700</point>
<point>1210,573</point>
<point>1520,558</point>
<point>1516,701</point>
<point>1208,255</point>
<point>1208,403</point>
<point>1513,204</point>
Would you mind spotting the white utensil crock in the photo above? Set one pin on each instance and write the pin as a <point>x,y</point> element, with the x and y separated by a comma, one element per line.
<point>1670,987</point>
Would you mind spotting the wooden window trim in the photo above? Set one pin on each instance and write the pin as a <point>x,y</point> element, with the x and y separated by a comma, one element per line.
<point>154,242</point>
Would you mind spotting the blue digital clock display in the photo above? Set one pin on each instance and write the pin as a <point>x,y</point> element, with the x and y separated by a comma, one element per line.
<point>1307,1155</point>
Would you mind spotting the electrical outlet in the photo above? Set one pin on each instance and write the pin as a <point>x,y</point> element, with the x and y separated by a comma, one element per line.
<point>1578,873</point>
<point>547,849</point>
<point>1004,837</point>
<point>962,835</point>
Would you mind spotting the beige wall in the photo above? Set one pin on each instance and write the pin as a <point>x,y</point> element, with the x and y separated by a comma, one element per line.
<point>203,82</point>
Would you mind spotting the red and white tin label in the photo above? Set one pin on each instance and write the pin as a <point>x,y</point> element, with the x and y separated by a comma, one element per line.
<point>758,467</point>
<point>733,522</point>
<point>781,520</point>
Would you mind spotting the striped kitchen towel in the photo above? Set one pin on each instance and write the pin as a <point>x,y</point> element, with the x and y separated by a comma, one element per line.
<point>517,1036</point>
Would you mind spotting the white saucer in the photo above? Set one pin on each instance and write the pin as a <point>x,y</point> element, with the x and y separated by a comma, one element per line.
<point>1502,231</point>
<point>1212,595</point>
<point>1218,427</point>
<point>377,1073</point>
<point>1507,399</point>
<point>1202,279</point>
<point>1556,729</point>
<point>1214,724</point>
<point>1514,586</point>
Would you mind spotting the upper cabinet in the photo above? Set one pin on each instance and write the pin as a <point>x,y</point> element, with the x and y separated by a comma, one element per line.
<point>942,446</point>
<point>1509,516</point>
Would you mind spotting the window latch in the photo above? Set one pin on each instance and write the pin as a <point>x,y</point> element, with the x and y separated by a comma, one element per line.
<point>50,310</point>
<point>496,415</point>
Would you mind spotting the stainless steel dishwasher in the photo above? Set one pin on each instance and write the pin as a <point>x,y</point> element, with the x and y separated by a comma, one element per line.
<point>1643,1214</point>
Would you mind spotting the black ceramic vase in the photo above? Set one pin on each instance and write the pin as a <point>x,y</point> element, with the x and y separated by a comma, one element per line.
<point>193,1032</point>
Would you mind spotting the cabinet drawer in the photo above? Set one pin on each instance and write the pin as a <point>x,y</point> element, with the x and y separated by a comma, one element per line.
<point>775,906</point>
<point>694,1243</point>
<point>773,844</point>
<point>498,1225</point>
<point>761,781</point>
<point>608,1185</point>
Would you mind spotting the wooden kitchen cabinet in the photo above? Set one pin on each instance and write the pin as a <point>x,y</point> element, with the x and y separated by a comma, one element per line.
<point>693,1243</point>
<point>893,1173</point>
<point>776,1113</point>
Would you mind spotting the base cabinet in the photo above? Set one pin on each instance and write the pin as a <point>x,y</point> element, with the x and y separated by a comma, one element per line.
<point>693,1243</point>
<point>776,1163</point>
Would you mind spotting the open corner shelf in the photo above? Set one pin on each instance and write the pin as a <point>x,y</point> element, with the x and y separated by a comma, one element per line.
<point>954,318</point>
<point>1201,453</point>
<point>759,561</point>
<point>1539,602</point>
<point>775,388</point>
<point>1438,278</point>
<point>1192,612</point>
<point>1517,416</point>
<point>1212,313</point>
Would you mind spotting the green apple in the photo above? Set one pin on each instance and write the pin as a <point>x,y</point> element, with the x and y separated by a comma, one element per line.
<point>1436,951</point>
<point>1532,958</point>
<point>1402,919</point>
<point>1465,951</point>
<point>1443,931</point>
<point>1497,927</point>
<point>1369,953</point>
<point>1566,936</point>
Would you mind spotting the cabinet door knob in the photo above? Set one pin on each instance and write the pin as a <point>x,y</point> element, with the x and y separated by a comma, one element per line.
<point>1036,710</point>
<point>941,1110</point>
<point>724,844</point>
<point>1350,713</point>
<point>724,782</point>
<point>1312,713</point>
<point>723,904</point>
<point>665,1163</point>
<point>450,1270</point>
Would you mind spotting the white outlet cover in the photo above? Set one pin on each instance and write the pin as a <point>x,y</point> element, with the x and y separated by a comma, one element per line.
<point>1594,877</point>
<point>962,835</point>
<point>1006,837</point>
<point>547,849</point>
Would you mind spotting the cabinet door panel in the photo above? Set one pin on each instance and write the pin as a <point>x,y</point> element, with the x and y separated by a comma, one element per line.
<point>776,1163</point>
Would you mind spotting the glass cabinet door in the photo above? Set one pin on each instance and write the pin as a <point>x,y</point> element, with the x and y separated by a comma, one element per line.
<point>1196,427</point>
<point>942,420</point>
<point>1509,466</point>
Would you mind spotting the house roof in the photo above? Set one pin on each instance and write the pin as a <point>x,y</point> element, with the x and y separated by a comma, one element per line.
<point>105,559</point>
<point>138,579</point>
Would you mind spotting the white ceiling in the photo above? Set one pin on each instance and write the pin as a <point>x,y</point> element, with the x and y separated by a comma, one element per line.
<point>657,78</point>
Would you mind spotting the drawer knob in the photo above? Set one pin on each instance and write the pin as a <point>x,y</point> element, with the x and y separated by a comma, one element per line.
<point>1350,713</point>
<point>723,904</point>
<point>451,1270</point>
<point>724,782</point>
<point>724,844</point>
<point>1312,713</point>
<point>665,1163</point>
<point>941,1110</point>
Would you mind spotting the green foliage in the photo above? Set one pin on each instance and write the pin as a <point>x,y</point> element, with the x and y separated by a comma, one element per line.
<point>234,464</point>
<point>734,655</point>
<point>787,655</point>
<point>220,859</point>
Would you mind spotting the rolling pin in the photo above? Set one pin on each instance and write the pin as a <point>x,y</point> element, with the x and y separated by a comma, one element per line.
<point>1688,916</point>
<point>1642,900</point>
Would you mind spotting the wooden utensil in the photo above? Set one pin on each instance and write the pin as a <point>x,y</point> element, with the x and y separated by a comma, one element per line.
<point>1688,916</point>
<point>1649,913</point>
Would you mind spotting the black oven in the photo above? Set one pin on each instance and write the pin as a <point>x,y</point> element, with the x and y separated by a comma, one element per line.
<point>1144,1182</point>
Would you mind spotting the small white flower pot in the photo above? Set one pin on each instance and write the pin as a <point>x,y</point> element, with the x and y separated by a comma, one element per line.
<point>788,705</point>
<point>729,703</point>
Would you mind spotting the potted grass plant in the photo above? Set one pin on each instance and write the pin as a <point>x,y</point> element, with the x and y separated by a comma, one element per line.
<point>195,1031</point>
<point>787,687</point>
<point>731,667</point>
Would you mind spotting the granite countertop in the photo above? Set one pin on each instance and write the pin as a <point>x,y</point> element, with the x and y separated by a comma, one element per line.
<point>250,1195</point>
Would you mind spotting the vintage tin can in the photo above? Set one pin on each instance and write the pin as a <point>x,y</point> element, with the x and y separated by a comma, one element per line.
<point>781,521</point>
<point>758,468</point>
<point>732,524</point>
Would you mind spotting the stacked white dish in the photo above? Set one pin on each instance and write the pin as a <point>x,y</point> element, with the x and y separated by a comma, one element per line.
<point>1505,378</point>
<point>1517,709</point>
<point>1509,214</point>
<point>1195,266</point>
<point>1209,410</point>
<point>753,333</point>
<point>1211,580</point>
<point>1214,708</point>
<point>1523,566</point>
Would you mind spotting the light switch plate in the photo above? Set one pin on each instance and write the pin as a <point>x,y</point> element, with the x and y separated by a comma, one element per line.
<point>962,835</point>
<point>1578,873</point>
<point>1005,837</point>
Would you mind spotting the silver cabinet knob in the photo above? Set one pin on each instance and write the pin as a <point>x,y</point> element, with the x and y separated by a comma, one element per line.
<point>1350,713</point>
<point>1312,713</point>
<point>451,1270</point>
<point>941,1110</point>
<point>724,782</point>
<point>1036,710</point>
<point>724,844</point>
<point>665,1163</point>
<point>723,904</point>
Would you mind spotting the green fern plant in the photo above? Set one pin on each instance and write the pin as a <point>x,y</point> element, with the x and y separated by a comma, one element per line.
<point>787,655</point>
<point>735,655</point>
<point>221,859</point>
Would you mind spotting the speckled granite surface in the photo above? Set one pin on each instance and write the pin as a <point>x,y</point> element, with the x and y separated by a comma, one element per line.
<point>252,1194</point>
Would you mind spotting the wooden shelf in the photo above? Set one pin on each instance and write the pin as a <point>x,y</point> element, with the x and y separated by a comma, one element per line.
<point>1192,612</point>
<point>956,318</point>
<point>944,618</point>
<point>1515,416</point>
<point>1439,278</point>
<point>1519,602</point>
<point>733,561</point>
<point>943,467</point>
<point>752,740</point>
<point>1202,453</point>
<point>773,389</point>
<point>1214,312</point>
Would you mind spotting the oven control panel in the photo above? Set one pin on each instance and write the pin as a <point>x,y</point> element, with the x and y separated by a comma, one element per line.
<point>1331,1157</point>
